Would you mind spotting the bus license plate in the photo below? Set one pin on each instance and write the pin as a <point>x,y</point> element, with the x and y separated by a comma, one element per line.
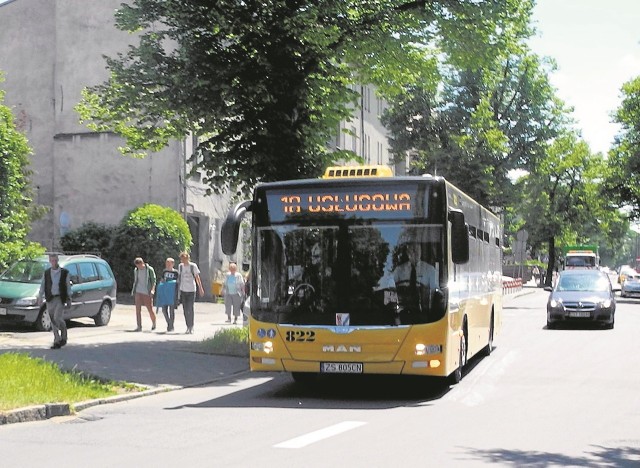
<point>341,367</point>
<point>3,311</point>
<point>579,314</point>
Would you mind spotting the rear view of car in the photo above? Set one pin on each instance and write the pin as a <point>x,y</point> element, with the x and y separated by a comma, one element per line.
<point>581,296</point>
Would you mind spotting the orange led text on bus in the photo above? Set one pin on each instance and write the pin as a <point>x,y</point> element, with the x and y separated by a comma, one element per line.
<point>347,203</point>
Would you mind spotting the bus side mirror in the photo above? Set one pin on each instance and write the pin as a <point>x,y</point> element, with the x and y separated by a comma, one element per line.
<point>459,237</point>
<point>231,227</point>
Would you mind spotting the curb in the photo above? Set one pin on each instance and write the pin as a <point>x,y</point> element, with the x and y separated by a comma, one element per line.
<point>52,410</point>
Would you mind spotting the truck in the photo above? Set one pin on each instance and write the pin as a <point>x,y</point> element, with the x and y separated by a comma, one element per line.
<point>580,257</point>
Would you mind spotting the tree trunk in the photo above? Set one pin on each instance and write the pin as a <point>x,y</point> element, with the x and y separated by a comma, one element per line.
<point>548,280</point>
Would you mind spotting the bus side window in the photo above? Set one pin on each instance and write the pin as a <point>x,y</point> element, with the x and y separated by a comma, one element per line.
<point>459,237</point>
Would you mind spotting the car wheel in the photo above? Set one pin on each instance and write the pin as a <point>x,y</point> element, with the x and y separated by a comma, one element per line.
<point>456,376</point>
<point>104,315</point>
<point>43,322</point>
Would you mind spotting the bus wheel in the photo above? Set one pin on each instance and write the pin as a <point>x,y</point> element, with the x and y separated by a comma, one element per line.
<point>304,378</point>
<point>489,347</point>
<point>456,376</point>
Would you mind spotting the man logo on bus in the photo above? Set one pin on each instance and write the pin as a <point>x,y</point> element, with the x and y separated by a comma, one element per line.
<point>342,320</point>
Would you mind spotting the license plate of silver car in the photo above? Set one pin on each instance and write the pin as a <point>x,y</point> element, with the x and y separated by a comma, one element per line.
<point>3,311</point>
<point>341,367</point>
<point>580,314</point>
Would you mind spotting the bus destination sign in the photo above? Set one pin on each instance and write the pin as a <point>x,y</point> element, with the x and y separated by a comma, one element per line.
<point>346,202</point>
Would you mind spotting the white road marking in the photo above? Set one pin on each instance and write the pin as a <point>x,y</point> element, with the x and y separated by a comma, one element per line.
<point>321,434</point>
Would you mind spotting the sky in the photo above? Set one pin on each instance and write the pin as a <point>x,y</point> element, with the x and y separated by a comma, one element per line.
<point>596,45</point>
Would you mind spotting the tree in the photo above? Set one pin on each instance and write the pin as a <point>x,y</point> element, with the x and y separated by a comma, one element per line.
<point>150,231</point>
<point>481,126</point>
<point>560,195</point>
<point>264,84</point>
<point>623,180</point>
<point>16,205</point>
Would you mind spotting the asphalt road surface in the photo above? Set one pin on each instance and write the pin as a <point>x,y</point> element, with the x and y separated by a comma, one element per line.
<point>544,398</point>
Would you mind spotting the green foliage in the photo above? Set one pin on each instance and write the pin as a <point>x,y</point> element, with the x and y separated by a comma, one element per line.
<point>623,178</point>
<point>481,126</point>
<point>265,84</point>
<point>16,204</point>
<point>229,341</point>
<point>26,381</point>
<point>559,197</point>
<point>89,238</point>
<point>152,232</point>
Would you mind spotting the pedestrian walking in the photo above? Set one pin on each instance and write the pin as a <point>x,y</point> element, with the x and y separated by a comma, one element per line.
<point>188,282</point>
<point>144,287</point>
<point>233,293</point>
<point>56,285</point>
<point>167,292</point>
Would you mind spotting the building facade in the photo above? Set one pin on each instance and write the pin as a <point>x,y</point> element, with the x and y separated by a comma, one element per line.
<point>50,50</point>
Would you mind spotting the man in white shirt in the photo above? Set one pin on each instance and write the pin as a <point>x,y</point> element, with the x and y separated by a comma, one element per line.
<point>188,282</point>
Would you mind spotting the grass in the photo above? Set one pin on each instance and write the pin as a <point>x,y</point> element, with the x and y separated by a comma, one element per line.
<point>27,381</point>
<point>228,341</point>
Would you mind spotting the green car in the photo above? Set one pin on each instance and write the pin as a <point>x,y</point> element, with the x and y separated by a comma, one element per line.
<point>93,291</point>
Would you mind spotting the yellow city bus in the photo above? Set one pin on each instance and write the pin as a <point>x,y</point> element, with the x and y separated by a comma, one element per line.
<point>363,272</point>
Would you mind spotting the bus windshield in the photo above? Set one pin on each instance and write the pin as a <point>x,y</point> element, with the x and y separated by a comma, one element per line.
<point>349,273</point>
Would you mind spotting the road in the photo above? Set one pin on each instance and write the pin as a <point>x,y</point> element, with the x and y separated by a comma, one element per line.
<point>544,398</point>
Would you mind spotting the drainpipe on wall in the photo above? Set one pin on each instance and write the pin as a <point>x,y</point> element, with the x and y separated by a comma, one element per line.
<point>183,170</point>
<point>362,123</point>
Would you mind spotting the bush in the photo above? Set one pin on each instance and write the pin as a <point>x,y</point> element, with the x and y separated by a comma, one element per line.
<point>152,232</point>
<point>17,210</point>
<point>229,341</point>
<point>89,238</point>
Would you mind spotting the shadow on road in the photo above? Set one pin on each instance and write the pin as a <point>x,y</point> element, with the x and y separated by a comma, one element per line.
<point>599,457</point>
<point>152,363</point>
<point>331,392</point>
<point>335,391</point>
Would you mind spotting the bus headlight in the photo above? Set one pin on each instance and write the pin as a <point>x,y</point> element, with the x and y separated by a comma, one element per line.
<point>266,347</point>
<point>420,349</point>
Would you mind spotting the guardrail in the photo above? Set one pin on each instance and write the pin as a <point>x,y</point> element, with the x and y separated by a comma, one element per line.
<point>511,286</point>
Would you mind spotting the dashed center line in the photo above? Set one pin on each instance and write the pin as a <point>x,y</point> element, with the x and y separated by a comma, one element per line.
<point>319,435</point>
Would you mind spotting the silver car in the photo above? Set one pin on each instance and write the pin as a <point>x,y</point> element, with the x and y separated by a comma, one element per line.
<point>631,286</point>
<point>581,296</point>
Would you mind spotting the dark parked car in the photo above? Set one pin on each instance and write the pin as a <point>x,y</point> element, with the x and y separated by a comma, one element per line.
<point>93,291</point>
<point>581,296</point>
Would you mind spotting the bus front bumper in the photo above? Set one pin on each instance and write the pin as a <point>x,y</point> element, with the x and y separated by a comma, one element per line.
<point>433,366</point>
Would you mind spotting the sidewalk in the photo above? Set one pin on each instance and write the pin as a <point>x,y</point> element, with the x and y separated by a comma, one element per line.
<point>157,360</point>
